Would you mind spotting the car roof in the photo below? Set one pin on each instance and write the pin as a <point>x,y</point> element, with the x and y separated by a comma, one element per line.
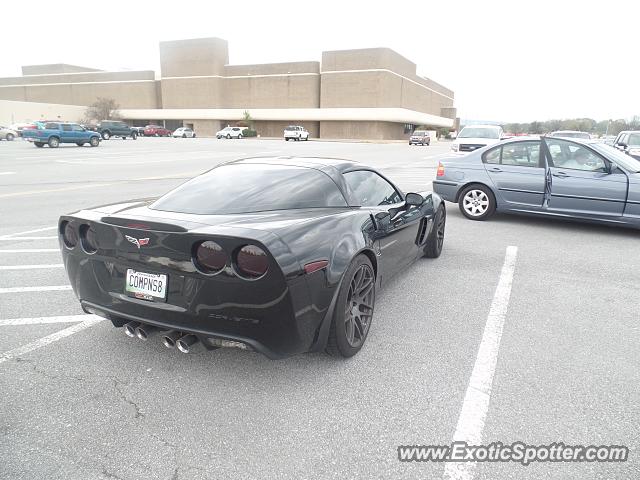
<point>319,163</point>
<point>483,126</point>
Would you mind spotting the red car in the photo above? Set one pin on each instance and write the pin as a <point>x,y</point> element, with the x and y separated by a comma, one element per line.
<point>156,131</point>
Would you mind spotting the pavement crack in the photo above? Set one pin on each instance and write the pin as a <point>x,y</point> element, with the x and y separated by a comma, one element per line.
<point>117,385</point>
<point>107,474</point>
<point>174,453</point>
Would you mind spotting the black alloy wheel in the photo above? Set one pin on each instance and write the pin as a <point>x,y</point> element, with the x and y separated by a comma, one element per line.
<point>354,309</point>
<point>435,241</point>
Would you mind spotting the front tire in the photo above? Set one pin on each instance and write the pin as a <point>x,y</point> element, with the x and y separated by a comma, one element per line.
<point>353,313</point>
<point>10,137</point>
<point>435,240</point>
<point>53,142</point>
<point>134,136</point>
<point>240,137</point>
<point>106,135</point>
<point>228,137</point>
<point>94,141</point>
<point>477,202</point>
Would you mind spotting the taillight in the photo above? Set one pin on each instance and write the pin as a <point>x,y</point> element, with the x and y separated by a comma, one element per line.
<point>251,262</point>
<point>440,170</point>
<point>209,257</point>
<point>69,234</point>
<point>88,239</point>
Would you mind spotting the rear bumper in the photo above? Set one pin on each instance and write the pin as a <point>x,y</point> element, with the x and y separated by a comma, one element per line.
<point>446,189</point>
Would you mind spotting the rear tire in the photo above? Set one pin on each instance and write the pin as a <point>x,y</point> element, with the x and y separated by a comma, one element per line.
<point>53,142</point>
<point>435,240</point>
<point>354,308</point>
<point>477,202</point>
<point>134,136</point>
<point>80,144</point>
<point>240,137</point>
<point>106,135</point>
<point>228,137</point>
<point>38,144</point>
<point>10,137</point>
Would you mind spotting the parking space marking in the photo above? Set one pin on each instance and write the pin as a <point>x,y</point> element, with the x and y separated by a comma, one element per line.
<point>31,267</point>
<point>12,322</point>
<point>90,321</point>
<point>7,173</point>
<point>54,190</point>
<point>476,400</point>
<point>51,288</point>
<point>37,230</point>
<point>30,250</point>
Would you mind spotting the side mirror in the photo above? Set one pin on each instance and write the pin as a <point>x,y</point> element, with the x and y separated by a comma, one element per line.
<point>414,199</point>
<point>383,220</point>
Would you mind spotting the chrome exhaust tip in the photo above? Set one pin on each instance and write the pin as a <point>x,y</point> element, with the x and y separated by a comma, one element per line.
<point>186,342</point>
<point>170,338</point>
<point>143,332</point>
<point>130,329</point>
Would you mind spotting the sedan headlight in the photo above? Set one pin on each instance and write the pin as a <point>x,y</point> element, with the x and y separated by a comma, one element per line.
<point>455,147</point>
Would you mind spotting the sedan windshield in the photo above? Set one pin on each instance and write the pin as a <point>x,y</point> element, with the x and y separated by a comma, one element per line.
<point>247,188</point>
<point>479,132</point>
<point>622,159</point>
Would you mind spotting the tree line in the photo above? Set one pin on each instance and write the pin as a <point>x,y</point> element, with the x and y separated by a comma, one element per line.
<point>603,127</point>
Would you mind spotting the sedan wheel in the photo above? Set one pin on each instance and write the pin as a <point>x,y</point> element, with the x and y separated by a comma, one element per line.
<point>10,137</point>
<point>354,310</point>
<point>476,202</point>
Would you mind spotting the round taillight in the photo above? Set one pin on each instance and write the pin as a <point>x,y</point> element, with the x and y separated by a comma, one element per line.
<point>252,262</point>
<point>88,239</point>
<point>69,234</point>
<point>210,257</point>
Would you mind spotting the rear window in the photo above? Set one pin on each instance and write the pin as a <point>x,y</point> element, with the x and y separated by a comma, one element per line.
<point>246,188</point>
<point>479,132</point>
<point>291,128</point>
<point>419,133</point>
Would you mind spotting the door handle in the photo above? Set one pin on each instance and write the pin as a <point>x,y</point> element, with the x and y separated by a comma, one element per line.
<point>495,169</point>
<point>560,174</point>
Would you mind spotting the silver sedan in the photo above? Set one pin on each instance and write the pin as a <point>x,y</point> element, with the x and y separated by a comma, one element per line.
<point>7,134</point>
<point>560,177</point>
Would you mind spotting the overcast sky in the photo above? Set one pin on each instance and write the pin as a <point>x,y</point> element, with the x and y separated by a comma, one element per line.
<point>504,61</point>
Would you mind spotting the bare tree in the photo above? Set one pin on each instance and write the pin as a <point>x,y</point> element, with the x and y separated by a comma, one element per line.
<point>102,109</point>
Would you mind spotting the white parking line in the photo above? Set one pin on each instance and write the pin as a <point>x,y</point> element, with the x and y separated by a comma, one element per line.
<point>31,250</point>
<point>37,230</point>
<point>54,337</point>
<point>11,322</point>
<point>31,267</point>
<point>52,288</point>
<point>476,400</point>
<point>29,238</point>
<point>7,173</point>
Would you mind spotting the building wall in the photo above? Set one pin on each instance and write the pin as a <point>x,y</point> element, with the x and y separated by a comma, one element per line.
<point>19,112</point>
<point>362,130</point>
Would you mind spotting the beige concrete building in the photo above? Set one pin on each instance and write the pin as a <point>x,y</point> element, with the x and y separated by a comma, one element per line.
<point>368,93</point>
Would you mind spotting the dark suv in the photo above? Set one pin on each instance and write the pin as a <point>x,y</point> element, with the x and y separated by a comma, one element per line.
<point>115,128</point>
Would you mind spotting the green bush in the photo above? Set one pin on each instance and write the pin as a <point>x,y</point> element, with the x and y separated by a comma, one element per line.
<point>249,133</point>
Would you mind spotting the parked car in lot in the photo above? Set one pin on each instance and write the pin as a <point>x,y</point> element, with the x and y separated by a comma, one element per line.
<point>570,134</point>
<point>474,137</point>
<point>19,127</point>
<point>258,270</point>
<point>184,132</point>
<point>420,137</point>
<point>7,134</point>
<point>53,134</point>
<point>553,176</point>
<point>115,128</point>
<point>629,143</point>
<point>296,133</point>
<point>156,131</point>
<point>230,132</point>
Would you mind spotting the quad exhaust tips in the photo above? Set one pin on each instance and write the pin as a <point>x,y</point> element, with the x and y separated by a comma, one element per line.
<point>170,338</point>
<point>130,329</point>
<point>186,343</point>
<point>143,332</point>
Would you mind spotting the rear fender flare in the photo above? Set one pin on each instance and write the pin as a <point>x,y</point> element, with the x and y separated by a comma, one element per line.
<point>491,189</point>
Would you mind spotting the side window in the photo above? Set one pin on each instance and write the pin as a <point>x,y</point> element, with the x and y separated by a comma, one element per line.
<point>574,156</point>
<point>370,189</point>
<point>66,128</point>
<point>492,156</point>
<point>77,128</point>
<point>634,140</point>
<point>521,154</point>
<point>51,126</point>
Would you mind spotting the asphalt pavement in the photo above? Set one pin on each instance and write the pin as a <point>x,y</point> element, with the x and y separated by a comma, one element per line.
<point>541,314</point>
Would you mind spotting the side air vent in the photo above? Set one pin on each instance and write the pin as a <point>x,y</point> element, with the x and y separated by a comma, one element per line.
<point>422,231</point>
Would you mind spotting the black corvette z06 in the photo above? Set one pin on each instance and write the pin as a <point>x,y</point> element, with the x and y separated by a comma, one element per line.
<point>277,255</point>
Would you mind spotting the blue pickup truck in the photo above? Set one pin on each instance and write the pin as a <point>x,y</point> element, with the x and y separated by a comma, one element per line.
<point>55,133</point>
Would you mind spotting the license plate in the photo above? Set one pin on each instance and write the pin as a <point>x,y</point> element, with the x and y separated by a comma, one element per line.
<point>147,286</point>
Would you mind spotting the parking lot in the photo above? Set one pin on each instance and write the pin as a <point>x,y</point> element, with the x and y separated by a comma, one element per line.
<point>80,400</point>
